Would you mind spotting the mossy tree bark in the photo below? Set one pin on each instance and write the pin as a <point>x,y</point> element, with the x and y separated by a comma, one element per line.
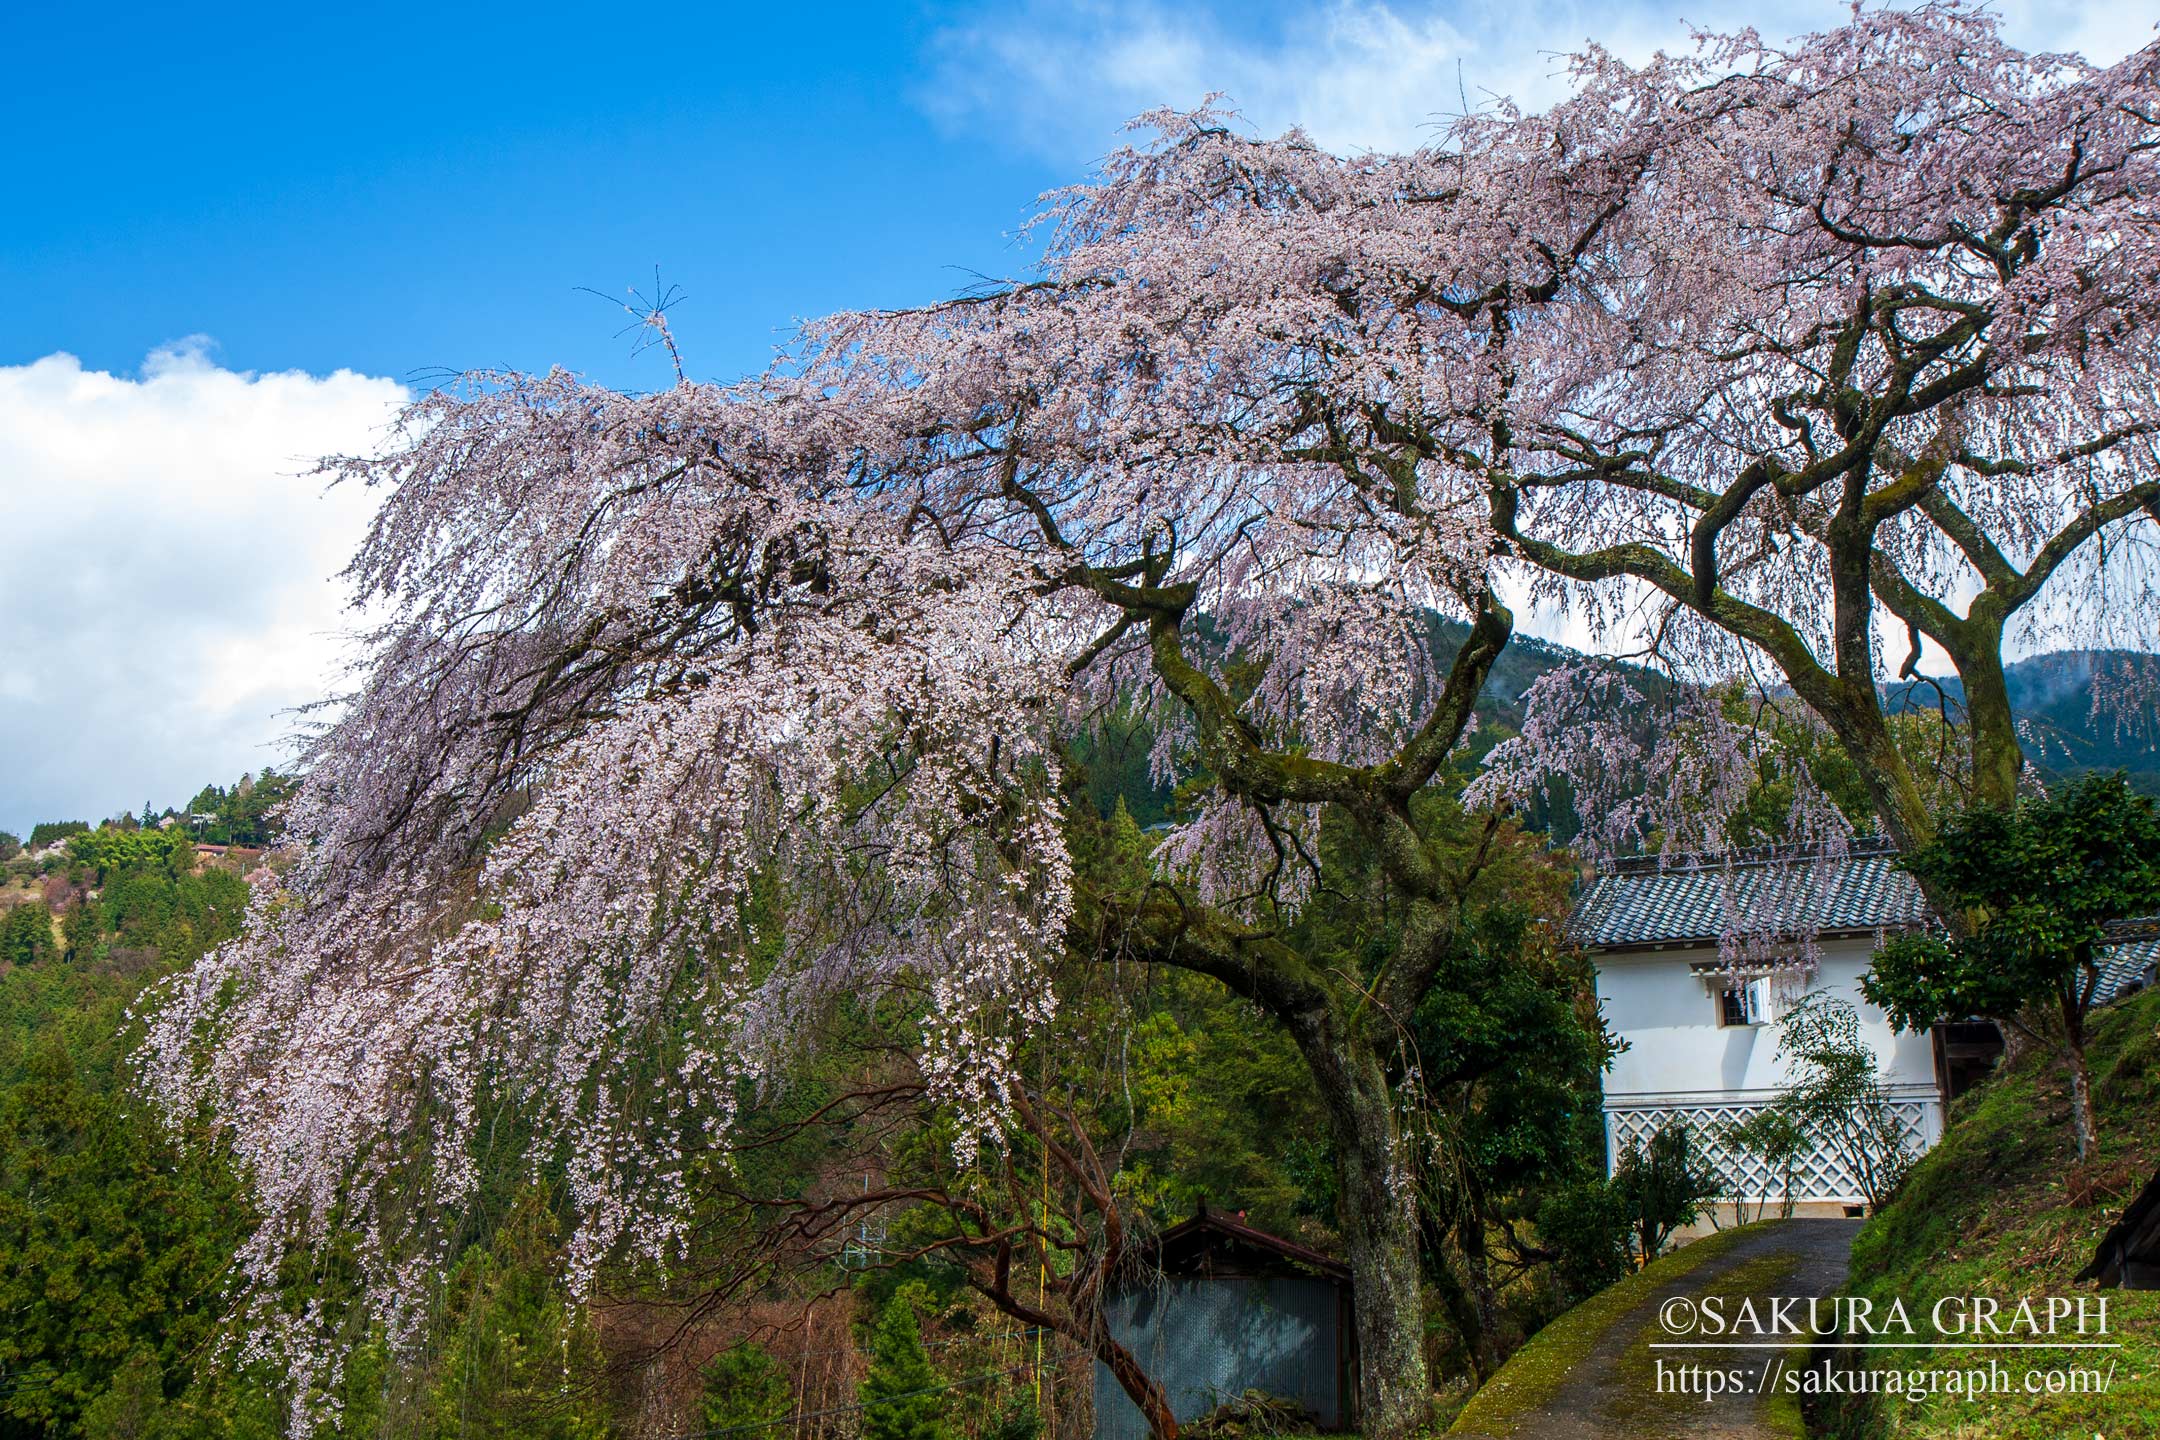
<point>1347,1027</point>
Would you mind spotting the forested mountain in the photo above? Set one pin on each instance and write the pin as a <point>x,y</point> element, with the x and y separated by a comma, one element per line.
<point>2060,698</point>
<point>2066,733</point>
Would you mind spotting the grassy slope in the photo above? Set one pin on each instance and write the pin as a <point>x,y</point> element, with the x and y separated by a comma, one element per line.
<point>2001,1208</point>
<point>1535,1373</point>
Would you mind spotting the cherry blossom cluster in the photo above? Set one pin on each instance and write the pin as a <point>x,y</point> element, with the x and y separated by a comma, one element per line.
<point>660,755</point>
<point>686,717</point>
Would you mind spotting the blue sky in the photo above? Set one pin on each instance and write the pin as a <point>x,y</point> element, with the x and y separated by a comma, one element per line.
<point>400,190</point>
<point>426,188</point>
<point>235,238</point>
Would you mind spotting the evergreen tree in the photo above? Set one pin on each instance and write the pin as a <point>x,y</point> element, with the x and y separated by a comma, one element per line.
<point>26,934</point>
<point>2038,883</point>
<point>132,1407</point>
<point>896,1406</point>
<point>746,1391</point>
<point>520,1361</point>
<point>80,930</point>
<point>112,1244</point>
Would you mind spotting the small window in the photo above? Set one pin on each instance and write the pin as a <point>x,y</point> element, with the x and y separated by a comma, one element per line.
<point>1742,1006</point>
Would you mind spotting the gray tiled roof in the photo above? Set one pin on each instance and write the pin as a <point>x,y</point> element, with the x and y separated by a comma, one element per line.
<point>2125,967</point>
<point>1647,904</point>
<point>1694,901</point>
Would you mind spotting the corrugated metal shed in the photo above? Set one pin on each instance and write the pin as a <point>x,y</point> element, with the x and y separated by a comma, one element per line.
<point>1218,1307</point>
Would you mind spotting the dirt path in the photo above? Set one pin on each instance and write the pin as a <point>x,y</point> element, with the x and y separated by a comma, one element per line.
<point>1578,1383</point>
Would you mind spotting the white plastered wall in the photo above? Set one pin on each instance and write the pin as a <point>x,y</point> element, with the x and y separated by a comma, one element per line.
<point>1681,1063</point>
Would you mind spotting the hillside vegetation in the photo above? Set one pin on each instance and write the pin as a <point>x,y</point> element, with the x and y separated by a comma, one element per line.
<point>2001,1208</point>
<point>116,1240</point>
<point>116,1244</point>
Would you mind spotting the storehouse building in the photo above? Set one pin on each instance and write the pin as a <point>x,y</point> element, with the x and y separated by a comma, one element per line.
<point>1701,1030</point>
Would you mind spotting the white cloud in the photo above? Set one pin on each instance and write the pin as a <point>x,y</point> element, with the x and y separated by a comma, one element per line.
<point>1060,79</point>
<point>2100,30</point>
<point>166,584</point>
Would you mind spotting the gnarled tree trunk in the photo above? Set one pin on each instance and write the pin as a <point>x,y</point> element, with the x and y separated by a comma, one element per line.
<point>1379,1219</point>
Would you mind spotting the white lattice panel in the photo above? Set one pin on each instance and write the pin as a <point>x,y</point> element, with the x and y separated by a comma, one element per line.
<point>1820,1174</point>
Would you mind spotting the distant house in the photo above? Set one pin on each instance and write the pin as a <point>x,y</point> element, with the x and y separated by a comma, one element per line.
<point>1701,1031</point>
<point>1217,1307</point>
<point>241,854</point>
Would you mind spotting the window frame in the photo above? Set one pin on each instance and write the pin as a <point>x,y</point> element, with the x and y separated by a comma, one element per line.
<point>1751,1003</point>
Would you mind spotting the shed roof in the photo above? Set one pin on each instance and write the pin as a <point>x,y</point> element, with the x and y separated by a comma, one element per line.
<point>2129,1254</point>
<point>2126,966</point>
<point>1211,1242</point>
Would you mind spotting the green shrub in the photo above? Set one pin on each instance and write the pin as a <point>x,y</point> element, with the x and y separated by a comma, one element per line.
<point>1587,1225</point>
<point>1662,1187</point>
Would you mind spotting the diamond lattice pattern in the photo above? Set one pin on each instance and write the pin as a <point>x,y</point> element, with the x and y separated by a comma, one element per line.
<point>1820,1174</point>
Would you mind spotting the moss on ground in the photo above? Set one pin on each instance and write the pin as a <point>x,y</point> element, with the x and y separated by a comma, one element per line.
<point>2002,1208</point>
<point>1535,1373</point>
<point>1640,1408</point>
<point>1781,1411</point>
